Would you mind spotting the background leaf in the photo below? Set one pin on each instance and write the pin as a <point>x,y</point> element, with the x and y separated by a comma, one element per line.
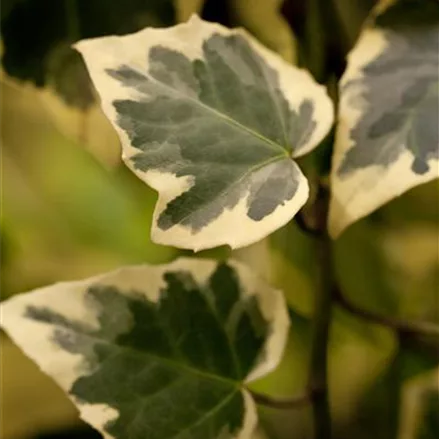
<point>260,18</point>
<point>185,8</point>
<point>31,29</point>
<point>63,215</point>
<point>7,7</point>
<point>36,48</point>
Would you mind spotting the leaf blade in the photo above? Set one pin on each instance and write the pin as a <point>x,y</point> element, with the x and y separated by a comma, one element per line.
<point>134,344</point>
<point>204,110</point>
<point>388,114</point>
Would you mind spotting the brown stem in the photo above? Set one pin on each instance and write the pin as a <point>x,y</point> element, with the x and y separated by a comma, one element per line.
<point>318,371</point>
<point>400,325</point>
<point>303,225</point>
<point>281,403</point>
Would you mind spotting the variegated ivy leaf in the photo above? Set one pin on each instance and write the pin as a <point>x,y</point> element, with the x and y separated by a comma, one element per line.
<point>156,352</point>
<point>210,119</point>
<point>388,138</point>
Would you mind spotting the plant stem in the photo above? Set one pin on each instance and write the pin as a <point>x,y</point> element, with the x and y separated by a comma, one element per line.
<point>400,325</point>
<point>304,226</point>
<point>281,403</point>
<point>315,50</point>
<point>395,381</point>
<point>318,379</point>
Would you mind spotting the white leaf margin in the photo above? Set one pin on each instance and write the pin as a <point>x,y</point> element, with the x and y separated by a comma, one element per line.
<point>365,190</point>
<point>295,84</point>
<point>67,298</point>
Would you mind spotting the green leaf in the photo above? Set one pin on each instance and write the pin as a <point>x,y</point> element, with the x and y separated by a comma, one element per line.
<point>156,352</point>
<point>68,77</point>
<point>210,119</point>
<point>31,29</point>
<point>261,18</point>
<point>352,15</point>
<point>7,7</point>
<point>185,8</point>
<point>387,140</point>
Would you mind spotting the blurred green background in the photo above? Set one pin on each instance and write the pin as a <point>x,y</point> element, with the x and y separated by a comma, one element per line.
<point>70,209</point>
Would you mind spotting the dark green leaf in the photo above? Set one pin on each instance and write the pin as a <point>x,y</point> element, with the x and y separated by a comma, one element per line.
<point>69,78</point>
<point>33,30</point>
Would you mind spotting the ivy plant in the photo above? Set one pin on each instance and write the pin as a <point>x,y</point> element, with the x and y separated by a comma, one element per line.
<point>217,124</point>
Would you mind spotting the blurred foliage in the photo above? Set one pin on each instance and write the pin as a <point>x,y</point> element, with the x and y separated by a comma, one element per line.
<point>64,216</point>
<point>419,407</point>
<point>185,8</point>
<point>260,18</point>
<point>69,78</point>
<point>31,402</point>
<point>407,13</point>
<point>326,31</point>
<point>32,28</point>
<point>70,210</point>
<point>36,39</point>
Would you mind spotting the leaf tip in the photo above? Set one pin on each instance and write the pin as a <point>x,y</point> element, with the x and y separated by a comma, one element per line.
<point>194,19</point>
